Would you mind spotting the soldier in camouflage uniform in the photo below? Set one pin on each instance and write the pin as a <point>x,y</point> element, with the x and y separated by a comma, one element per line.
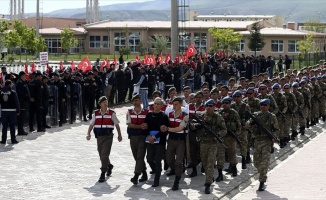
<point>254,106</point>
<point>307,101</point>
<point>282,105</point>
<point>322,105</point>
<point>232,122</point>
<point>315,100</point>
<point>241,107</point>
<point>264,95</point>
<point>208,144</point>
<point>309,86</point>
<point>298,117</point>
<point>262,150</point>
<point>292,109</point>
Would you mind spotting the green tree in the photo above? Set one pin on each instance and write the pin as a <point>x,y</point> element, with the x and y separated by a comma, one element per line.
<point>125,51</point>
<point>67,41</point>
<point>29,40</point>
<point>305,46</point>
<point>3,28</point>
<point>141,49</point>
<point>40,44</point>
<point>314,25</point>
<point>256,42</point>
<point>21,29</point>
<point>13,40</point>
<point>226,39</point>
<point>160,43</point>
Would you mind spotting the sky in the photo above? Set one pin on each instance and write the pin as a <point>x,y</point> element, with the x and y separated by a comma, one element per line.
<point>51,5</point>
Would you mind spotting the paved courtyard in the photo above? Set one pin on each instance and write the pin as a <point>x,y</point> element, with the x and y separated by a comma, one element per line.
<point>62,164</point>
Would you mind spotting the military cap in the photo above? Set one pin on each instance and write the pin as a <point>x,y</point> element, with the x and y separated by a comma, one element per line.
<point>251,83</point>
<point>265,101</point>
<point>156,92</point>
<point>136,96</point>
<point>324,76</point>
<point>262,86</point>
<point>177,99</point>
<point>225,99</point>
<point>286,85</point>
<point>236,93</point>
<point>303,81</point>
<point>250,89</point>
<point>79,74</point>
<point>21,73</point>
<point>319,77</point>
<point>313,78</point>
<point>276,86</point>
<point>101,99</point>
<point>214,90</point>
<point>304,77</point>
<point>295,84</point>
<point>209,102</point>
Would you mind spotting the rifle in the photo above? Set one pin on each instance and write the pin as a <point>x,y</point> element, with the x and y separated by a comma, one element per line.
<point>235,137</point>
<point>208,129</point>
<point>300,113</point>
<point>271,135</point>
<point>283,115</point>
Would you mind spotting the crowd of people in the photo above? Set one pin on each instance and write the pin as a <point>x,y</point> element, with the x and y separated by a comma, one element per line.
<point>176,129</point>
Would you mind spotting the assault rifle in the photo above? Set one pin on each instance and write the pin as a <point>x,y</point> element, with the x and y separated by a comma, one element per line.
<point>235,137</point>
<point>208,129</point>
<point>271,135</point>
<point>284,117</point>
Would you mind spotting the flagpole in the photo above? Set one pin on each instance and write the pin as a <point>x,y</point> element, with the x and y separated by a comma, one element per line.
<point>174,28</point>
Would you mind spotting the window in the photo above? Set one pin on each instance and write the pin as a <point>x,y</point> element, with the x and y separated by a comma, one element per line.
<point>79,47</point>
<point>242,46</point>
<point>106,42</point>
<point>54,45</point>
<point>200,41</point>
<point>94,42</point>
<point>134,40</point>
<point>184,41</point>
<point>277,45</point>
<point>119,40</point>
<point>292,46</point>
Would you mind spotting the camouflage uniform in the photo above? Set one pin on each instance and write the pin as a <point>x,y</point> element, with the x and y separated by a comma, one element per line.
<point>315,101</point>
<point>262,150</point>
<point>297,118</point>
<point>307,106</point>
<point>208,144</point>
<point>322,105</point>
<point>309,118</point>
<point>282,106</point>
<point>232,122</point>
<point>290,113</point>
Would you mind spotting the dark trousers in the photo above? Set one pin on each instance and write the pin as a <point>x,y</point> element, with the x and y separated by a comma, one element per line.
<point>121,94</point>
<point>45,112</point>
<point>9,118</point>
<point>129,90</point>
<point>34,110</point>
<point>174,155</point>
<point>155,154</point>
<point>138,148</point>
<point>193,147</point>
<point>104,144</point>
<point>20,120</point>
<point>89,104</point>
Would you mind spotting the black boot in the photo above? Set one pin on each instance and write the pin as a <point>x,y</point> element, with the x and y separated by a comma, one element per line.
<point>281,143</point>
<point>302,128</point>
<point>207,188</point>
<point>307,125</point>
<point>102,177</point>
<point>194,172</point>
<point>312,123</point>
<point>262,186</point>
<point>153,169</point>
<point>176,183</point>
<point>166,166</point>
<point>134,179</point>
<point>324,118</point>
<point>157,179</point>
<point>220,176</point>
<point>234,170</point>
<point>244,165</point>
<point>172,172</point>
<point>109,172</point>
<point>143,177</point>
<point>317,121</point>
<point>248,159</point>
<point>202,170</point>
<point>229,169</point>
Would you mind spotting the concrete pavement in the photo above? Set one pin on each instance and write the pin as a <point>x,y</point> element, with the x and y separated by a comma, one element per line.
<point>61,164</point>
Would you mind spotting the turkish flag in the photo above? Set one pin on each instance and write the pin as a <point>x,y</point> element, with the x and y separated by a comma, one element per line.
<point>185,58</point>
<point>137,58</point>
<point>167,58</point>
<point>219,53</point>
<point>47,68</point>
<point>72,65</point>
<point>144,60</point>
<point>115,62</point>
<point>85,65</point>
<point>176,60</point>
<point>33,67</point>
<point>105,63</point>
<point>26,71</point>
<point>191,51</point>
<point>160,59</point>
<point>223,54</point>
<point>61,65</point>
<point>206,55</point>
<point>152,60</point>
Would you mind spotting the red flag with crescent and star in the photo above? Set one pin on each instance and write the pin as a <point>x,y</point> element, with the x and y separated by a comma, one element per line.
<point>223,54</point>
<point>137,58</point>
<point>167,58</point>
<point>144,62</point>
<point>26,71</point>
<point>72,65</point>
<point>191,51</point>
<point>160,59</point>
<point>152,60</point>
<point>105,63</point>
<point>206,55</point>
<point>33,67</point>
<point>177,58</point>
<point>115,62</point>
<point>61,65</point>
<point>85,65</point>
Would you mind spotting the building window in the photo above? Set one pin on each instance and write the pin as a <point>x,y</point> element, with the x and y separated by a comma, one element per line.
<point>79,47</point>
<point>54,45</point>
<point>277,45</point>
<point>134,40</point>
<point>119,40</point>
<point>94,42</point>
<point>184,41</point>
<point>242,46</point>
<point>106,42</point>
<point>293,46</point>
<point>200,40</point>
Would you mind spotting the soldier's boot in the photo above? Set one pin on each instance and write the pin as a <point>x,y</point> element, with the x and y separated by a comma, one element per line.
<point>109,172</point>
<point>229,169</point>
<point>207,188</point>
<point>324,118</point>
<point>166,166</point>
<point>194,172</point>
<point>143,177</point>
<point>248,159</point>
<point>202,170</point>
<point>153,169</point>
<point>172,172</point>
<point>102,178</point>
<point>220,176</point>
<point>317,120</point>
<point>307,125</point>
<point>234,170</point>
<point>302,128</point>
<point>176,183</point>
<point>262,186</point>
<point>312,122</point>
<point>293,135</point>
<point>156,180</point>
<point>134,179</point>
<point>244,165</point>
<point>281,143</point>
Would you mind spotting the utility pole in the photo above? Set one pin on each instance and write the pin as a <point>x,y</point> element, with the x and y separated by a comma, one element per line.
<point>37,24</point>
<point>174,29</point>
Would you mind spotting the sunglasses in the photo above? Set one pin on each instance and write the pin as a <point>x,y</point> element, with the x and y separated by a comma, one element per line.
<point>226,103</point>
<point>236,97</point>
<point>210,106</point>
<point>286,88</point>
<point>250,93</point>
<point>263,104</point>
<point>275,88</point>
<point>262,88</point>
<point>157,104</point>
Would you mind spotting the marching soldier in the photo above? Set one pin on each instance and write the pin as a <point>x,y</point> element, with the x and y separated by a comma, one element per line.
<point>24,97</point>
<point>90,87</point>
<point>307,100</point>
<point>291,111</point>
<point>299,117</point>
<point>315,100</point>
<point>322,105</point>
